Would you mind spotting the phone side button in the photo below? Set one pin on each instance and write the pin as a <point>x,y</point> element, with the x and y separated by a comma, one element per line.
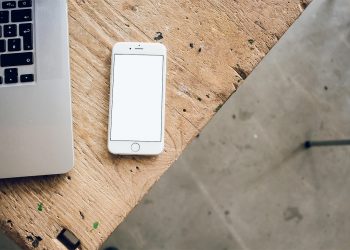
<point>135,147</point>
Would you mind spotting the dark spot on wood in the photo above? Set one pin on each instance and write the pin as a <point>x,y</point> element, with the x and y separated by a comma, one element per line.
<point>137,167</point>
<point>184,110</point>
<point>158,36</point>
<point>68,177</point>
<point>207,95</point>
<point>30,238</point>
<point>127,25</point>
<point>187,17</point>
<point>82,215</point>
<point>326,88</point>
<point>233,116</point>
<point>240,72</point>
<point>10,223</point>
<point>251,41</point>
<point>199,50</point>
<point>199,99</point>
<point>277,36</point>
<point>218,108</point>
<point>227,212</point>
<point>258,23</point>
<point>35,240</point>
<point>198,135</point>
<point>131,170</point>
<point>303,4</point>
<point>191,45</point>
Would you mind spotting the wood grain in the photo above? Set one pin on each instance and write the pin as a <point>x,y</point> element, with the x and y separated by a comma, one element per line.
<point>213,45</point>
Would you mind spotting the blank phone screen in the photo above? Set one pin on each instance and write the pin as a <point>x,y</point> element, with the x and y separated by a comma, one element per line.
<point>137,98</point>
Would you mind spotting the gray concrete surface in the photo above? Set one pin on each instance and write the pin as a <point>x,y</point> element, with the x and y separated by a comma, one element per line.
<point>246,183</point>
<point>7,244</point>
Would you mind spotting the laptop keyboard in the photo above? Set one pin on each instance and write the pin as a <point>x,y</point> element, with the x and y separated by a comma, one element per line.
<point>16,42</point>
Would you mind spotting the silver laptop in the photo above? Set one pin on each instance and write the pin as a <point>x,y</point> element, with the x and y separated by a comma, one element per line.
<point>35,92</point>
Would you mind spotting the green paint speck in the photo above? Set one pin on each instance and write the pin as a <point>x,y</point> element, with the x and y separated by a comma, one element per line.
<point>40,207</point>
<point>251,41</point>
<point>95,225</point>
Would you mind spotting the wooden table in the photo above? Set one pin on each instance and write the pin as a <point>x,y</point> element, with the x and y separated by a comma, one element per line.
<point>213,45</point>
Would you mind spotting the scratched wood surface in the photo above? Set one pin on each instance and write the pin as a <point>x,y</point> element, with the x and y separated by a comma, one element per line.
<point>213,45</point>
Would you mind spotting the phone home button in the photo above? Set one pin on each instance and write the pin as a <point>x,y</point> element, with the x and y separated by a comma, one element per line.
<point>135,147</point>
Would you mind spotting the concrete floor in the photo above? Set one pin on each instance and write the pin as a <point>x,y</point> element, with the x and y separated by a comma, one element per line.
<point>246,182</point>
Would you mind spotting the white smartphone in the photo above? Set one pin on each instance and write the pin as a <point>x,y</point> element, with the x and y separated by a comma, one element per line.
<point>137,99</point>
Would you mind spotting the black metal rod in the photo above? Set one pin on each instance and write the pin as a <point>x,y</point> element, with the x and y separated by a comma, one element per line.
<point>309,144</point>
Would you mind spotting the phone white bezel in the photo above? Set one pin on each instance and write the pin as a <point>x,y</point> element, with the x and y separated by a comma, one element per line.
<point>125,147</point>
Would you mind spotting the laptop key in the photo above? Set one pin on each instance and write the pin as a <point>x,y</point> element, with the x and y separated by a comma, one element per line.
<point>4,16</point>
<point>28,42</point>
<point>24,15</point>
<point>25,30</point>
<point>9,4</point>
<point>0,79</point>
<point>10,30</point>
<point>27,78</point>
<point>16,59</point>
<point>24,3</point>
<point>2,46</point>
<point>11,75</point>
<point>14,44</point>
